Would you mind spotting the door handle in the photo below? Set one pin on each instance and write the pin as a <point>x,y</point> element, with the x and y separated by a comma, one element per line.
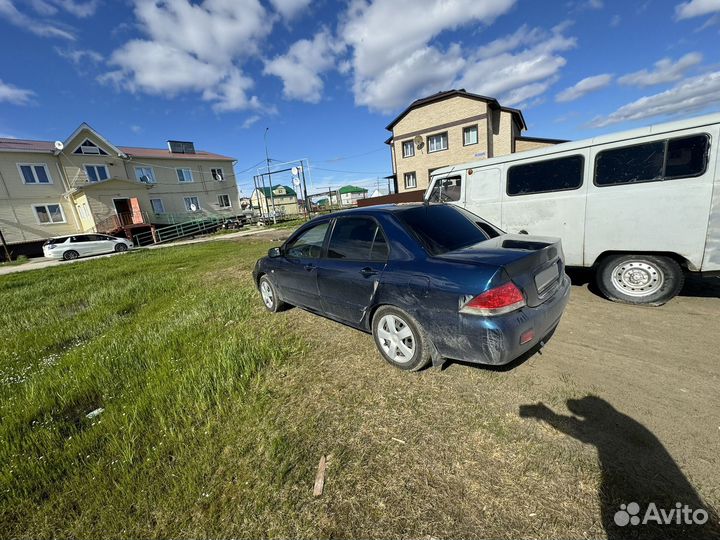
<point>309,267</point>
<point>367,271</point>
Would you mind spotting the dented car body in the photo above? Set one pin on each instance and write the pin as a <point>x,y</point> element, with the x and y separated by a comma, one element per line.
<point>443,279</point>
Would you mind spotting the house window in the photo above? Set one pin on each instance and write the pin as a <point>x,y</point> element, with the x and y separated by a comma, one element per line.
<point>145,174</point>
<point>217,174</point>
<point>224,201</point>
<point>47,214</point>
<point>410,180</point>
<point>184,175</point>
<point>96,173</point>
<point>438,142</point>
<point>90,148</point>
<point>408,149</point>
<point>192,204</point>
<point>470,135</point>
<point>157,206</point>
<point>34,173</point>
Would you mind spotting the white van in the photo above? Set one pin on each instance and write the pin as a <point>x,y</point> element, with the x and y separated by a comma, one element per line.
<point>640,207</point>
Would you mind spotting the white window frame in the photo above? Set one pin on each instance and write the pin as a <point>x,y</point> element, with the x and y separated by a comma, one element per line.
<point>100,151</point>
<point>187,205</point>
<point>412,148</point>
<point>222,173</point>
<point>162,205</point>
<point>468,129</point>
<point>405,180</point>
<point>182,170</point>
<point>96,165</point>
<point>37,217</point>
<point>220,205</point>
<point>151,177</point>
<point>440,136</point>
<point>32,168</point>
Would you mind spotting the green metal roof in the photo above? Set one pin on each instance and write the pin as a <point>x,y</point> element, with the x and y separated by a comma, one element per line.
<point>351,189</point>
<point>322,202</point>
<point>289,192</point>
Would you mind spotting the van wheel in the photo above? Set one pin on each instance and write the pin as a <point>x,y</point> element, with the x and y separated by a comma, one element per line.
<point>70,255</point>
<point>639,279</point>
<point>400,339</point>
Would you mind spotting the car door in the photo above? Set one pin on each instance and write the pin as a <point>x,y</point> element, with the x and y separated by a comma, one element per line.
<point>82,244</point>
<point>347,277</point>
<point>102,243</point>
<point>295,273</point>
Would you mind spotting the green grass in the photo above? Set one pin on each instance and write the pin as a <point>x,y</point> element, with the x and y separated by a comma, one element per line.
<point>22,259</point>
<point>171,345</point>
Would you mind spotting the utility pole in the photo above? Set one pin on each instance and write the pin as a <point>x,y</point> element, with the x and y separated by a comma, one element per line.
<point>267,159</point>
<point>305,195</point>
<point>5,247</point>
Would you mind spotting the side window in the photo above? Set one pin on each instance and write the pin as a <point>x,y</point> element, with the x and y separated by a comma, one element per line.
<point>630,164</point>
<point>559,174</point>
<point>80,238</point>
<point>309,244</point>
<point>379,250</point>
<point>352,239</point>
<point>687,156</point>
<point>447,189</point>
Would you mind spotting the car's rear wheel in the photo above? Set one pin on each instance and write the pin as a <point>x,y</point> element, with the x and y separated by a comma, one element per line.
<point>119,248</point>
<point>70,255</point>
<point>400,339</point>
<point>269,295</point>
<point>640,279</point>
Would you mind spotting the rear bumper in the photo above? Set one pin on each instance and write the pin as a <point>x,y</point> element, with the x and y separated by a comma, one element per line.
<point>496,340</point>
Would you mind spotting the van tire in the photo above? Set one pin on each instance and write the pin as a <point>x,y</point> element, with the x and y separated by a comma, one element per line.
<point>639,279</point>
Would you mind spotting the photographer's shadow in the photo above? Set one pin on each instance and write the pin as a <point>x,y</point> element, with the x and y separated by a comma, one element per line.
<point>635,467</point>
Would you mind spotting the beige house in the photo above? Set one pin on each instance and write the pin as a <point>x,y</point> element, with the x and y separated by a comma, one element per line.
<point>283,198</point>
<point>450,128</point>
<point>87,184</point>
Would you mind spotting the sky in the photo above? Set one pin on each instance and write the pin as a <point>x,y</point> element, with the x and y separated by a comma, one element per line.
<point>320,80</point>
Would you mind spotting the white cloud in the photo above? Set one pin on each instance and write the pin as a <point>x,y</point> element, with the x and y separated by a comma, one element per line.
<point>79,56</point>
<point>136,129</point>
<point>289,8</point>
<point>383,58</point>
<point>79,9</point>
<point>696,8</point>
<point>584,87</point>
<point>522,74</point>
<point>665,71</point>
<point>43,7</point>
<point>250,121</point>
<point>38,27</point>
<point>14,95</point>
<point>193,47</point>
<point>301,66</point>
<point>690,95</point>
<point>615,21</point>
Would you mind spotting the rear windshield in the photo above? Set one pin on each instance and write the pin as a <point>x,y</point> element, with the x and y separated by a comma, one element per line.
<point>442,228</point>
<point>50,241</point>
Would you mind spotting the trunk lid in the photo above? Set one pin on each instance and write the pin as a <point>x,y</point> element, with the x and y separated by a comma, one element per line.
<point>533,263</point>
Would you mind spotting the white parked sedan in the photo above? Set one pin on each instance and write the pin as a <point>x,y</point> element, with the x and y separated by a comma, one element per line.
<point>80,245</point>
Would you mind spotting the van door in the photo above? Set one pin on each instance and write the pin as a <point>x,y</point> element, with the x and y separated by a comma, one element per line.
<point>547,197</point>
<point>482,187</point>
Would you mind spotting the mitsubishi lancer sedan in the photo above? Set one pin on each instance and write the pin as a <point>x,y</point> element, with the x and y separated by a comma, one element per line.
<point>429,281</point>
<point>81,245</point>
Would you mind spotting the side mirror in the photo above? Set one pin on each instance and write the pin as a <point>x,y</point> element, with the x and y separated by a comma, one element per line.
<point>274,252</point>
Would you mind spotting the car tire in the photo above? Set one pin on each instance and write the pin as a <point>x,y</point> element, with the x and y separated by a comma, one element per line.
<point>639,279</point>
<point>120,248</point>
<point>70,255</point>
<point>400,339</point>
<point>269,295</point>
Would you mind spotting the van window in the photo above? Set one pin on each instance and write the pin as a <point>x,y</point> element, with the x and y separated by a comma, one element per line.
<point>559,174</point>
<point>682,157</point>
<point>446,189</point>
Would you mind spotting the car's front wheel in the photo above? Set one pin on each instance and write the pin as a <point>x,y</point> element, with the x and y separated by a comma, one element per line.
<point>269,295</point>
<point>70,255</point>
<point>400,339</point>
<point>640,279</point>
<point>119,248</point>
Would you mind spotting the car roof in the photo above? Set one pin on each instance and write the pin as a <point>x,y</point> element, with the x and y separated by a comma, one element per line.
<point>377,209</point>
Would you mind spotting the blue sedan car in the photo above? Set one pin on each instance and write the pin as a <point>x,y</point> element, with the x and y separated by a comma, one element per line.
<point>429,281</point>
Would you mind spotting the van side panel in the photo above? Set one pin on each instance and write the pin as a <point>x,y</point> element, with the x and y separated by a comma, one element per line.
<point>711,257</point>
<point>482,194</point>
<point>659,216</point>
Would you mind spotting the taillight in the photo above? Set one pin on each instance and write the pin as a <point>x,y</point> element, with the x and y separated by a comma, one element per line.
<point>501,299</point>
